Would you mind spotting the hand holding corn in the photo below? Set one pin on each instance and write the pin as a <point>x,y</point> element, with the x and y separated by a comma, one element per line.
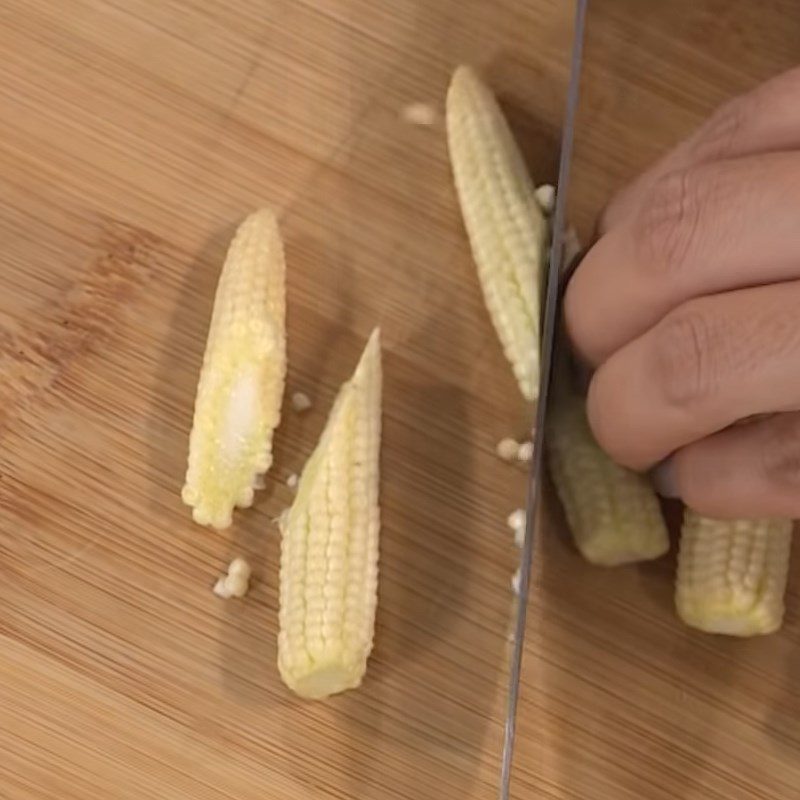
<point>732,572</point>
<point>687,309</point>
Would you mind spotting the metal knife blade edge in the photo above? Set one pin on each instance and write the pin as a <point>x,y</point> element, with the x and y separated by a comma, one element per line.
<point>548,340</point>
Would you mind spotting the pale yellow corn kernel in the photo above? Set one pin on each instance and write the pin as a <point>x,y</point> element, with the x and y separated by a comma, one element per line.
<point>732,574</point>
<point>301,402</point>
<point>236,582</point>
<point>239,392</point>
<point>239,568</point>
<point>613,514</point>
<point>508,449</point>
<point>525,452</point>
<point>516,519</point>
<point>546,197</point>
<point>329,545</point>
<point>507,230</point>
<point>519,536</point>
<point>418,114</point>
<point>237,585</point>
<point>231,586</point>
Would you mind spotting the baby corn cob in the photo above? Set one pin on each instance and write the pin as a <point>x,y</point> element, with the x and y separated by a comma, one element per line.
<point>613,514</point>
<point>239,393</point>
<point>732,574</point>
<point>507,230</point>
<point>329,545</point>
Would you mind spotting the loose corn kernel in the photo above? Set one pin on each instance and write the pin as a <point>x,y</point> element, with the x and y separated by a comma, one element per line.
<point>301,402</point>
<point>525,452</point>
<point>507,230</point>
<point>516,519</point>
<point>239,392</point>
<point>418,114</point>
<point>613,514</point>
<point>546,198</point>
<point>732,574</point>
<point>239,568</point>
<point>236,582</point>
<point>508,449</point>
<point>329,545</point>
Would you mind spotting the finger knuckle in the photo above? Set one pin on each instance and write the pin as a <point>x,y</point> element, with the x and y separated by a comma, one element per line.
<point>682,358</point>
<point>668,222</point>
<point>720,135</point>
<point>780,456</point>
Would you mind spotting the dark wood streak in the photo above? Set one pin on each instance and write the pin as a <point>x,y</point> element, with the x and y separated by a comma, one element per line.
<point>33,358</point>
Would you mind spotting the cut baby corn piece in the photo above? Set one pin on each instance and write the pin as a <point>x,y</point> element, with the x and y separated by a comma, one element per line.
<point>613,514</point>
<point>329,545</point>
<point>239,393</point>
<point>507,229</point>
<point>732,574</point>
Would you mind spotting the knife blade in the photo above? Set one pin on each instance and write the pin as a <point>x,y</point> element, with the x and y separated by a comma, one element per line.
<point>546,358</point>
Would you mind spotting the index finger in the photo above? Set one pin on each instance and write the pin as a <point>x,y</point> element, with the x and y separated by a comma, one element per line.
<point>694,225</point>
<point>766,119</point>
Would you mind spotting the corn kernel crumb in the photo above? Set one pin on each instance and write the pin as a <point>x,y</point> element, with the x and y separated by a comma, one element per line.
<point>236,582</point>
<point>546,197</point>
<point>418,114</point>
<point>240,568</point>
<point>300,402</point>
<point>516,519</point>
<point>508,449</point>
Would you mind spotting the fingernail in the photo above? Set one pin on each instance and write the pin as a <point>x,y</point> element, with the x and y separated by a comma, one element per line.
<point>664,480</point>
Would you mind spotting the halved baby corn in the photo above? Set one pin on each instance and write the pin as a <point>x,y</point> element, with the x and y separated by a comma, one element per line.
<point>329,545</point>
<point>613,514</point>
<point>732,574</point>
<point>507,230</point>
<point>241,383</point>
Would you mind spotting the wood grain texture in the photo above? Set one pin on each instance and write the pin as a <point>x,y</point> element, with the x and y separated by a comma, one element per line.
<point>134,137</point>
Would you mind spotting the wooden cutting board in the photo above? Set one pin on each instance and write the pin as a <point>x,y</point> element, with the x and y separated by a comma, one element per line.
<point>134,136</point>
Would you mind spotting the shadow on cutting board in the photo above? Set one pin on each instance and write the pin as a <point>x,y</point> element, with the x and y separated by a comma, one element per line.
<point>783,717</point>
<point>628,698</point>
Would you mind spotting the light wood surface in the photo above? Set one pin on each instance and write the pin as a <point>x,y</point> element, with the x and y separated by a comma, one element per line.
<point>134,136</point>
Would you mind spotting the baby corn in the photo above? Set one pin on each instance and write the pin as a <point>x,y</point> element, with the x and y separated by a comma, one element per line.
<point>613,514</point>
<point>329,545</point>
<point>732,574</point>
<point>507,229</point>
<point>240,389</point>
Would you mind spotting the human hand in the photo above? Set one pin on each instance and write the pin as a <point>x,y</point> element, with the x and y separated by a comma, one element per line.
<point>688,309</point>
